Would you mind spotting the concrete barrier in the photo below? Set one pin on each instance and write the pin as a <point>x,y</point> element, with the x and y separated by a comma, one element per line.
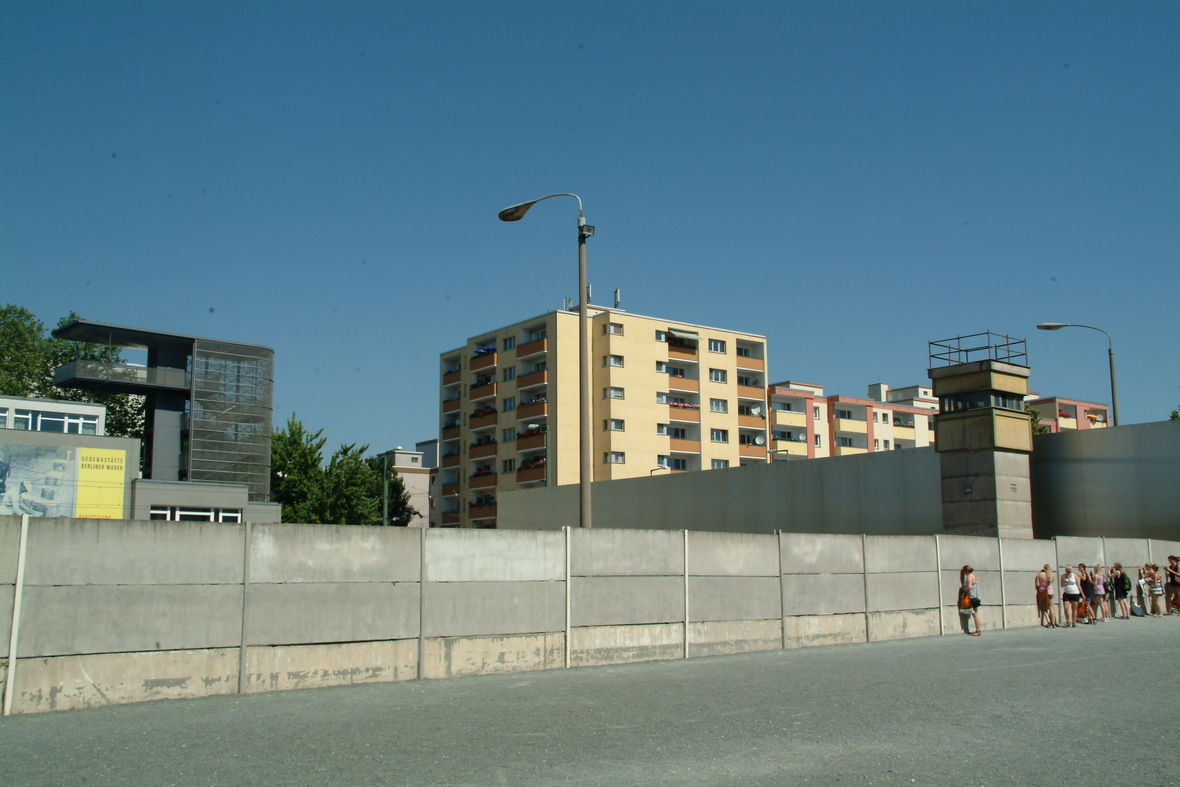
<point>124,611</point>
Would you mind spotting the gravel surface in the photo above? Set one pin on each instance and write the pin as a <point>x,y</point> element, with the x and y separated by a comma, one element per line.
<point>1092,705</point>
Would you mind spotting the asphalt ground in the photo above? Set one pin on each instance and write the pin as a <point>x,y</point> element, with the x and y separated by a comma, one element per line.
<point>1092,705</point>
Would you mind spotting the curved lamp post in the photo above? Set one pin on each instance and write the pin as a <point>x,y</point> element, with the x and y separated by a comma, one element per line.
<point>1114,389</point>
<point>516,213</point>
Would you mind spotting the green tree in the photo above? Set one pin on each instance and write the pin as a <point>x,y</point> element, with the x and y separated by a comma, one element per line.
<point>352,489</point>
<point>401,513</point>
<point>297,473</point>
<point>1175,416</point>
<point>1037,426</point>
<point>30,355</point>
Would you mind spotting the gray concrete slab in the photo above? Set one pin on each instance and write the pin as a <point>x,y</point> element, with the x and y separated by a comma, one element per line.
<point>734,598</point>
<point>950,710</point>
<point>733,554</point>
<point>334,553</point>
<point>608,552</point>
<point>464,555</point>
<point>305,612</point>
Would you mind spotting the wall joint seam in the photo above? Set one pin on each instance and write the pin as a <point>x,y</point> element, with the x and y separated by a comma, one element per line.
<point>17,593</point>
<point>247,536</point>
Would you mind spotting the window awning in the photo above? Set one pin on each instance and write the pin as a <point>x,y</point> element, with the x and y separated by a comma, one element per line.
<point>679,333</point>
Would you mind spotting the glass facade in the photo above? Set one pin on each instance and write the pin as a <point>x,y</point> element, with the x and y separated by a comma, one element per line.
<point>230,415</point>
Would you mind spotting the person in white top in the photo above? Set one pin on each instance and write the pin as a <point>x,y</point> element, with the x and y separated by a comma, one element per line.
<point>1071,594</point>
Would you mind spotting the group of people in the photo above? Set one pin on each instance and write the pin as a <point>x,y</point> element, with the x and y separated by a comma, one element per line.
<point>1087,594</point>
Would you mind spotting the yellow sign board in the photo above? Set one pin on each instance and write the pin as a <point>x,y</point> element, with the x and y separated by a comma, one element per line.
<point>102,474</point>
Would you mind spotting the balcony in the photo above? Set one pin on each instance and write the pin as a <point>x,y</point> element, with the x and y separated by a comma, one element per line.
<point>530,475</point>
<point>485,511</point>
<point>483,449</point>
<point>450,517</point>
<point>851,425</point>
<point>450,405</point>
<point>790,418</point>
<point>751,451</point>
<point>752,421</point>
<point>682,353</point>
<point>482,481</point>
<point>533,410</point>
<point>904,433</point>
<point>483,421</point>
<point>480,392</point>
<point>751,363</point>
<point>450,378</point>
<point>530,442</point>
<point>751,392</point>
<point>791,447</point>
<point>485,361</point>
<point>680,413</point>
<point>451,433</point>
<point>684,446</point>
<point>120,378</point>
<point>532,348</point>
<point>532,380</point>
<point>683,384</point>
<point>450,489</point>
<point>451,461</point>
<point>847,450</point>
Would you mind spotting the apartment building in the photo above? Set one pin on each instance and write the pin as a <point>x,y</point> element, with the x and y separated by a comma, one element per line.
<point>1059,414</point>
<point>665,397</point>
<point>806,424</point>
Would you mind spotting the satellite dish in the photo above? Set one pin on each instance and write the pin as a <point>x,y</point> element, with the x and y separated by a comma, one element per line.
<point>759,440</point>
<point>756,409</point>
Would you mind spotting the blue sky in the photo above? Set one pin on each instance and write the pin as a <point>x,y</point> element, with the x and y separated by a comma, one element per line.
<point>852,180</point>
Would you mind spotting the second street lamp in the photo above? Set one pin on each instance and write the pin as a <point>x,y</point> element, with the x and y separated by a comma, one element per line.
<point>516,213</point>
<point>1114,388</point>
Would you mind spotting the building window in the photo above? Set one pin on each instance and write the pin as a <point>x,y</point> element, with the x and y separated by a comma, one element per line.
<point>720,464</point>
<point>876,445</point>
<point>661,367</point>
<point>612,393</point>
<point>510,343</point>
<point>509,404</point>
<point>748,409</point>
<point>815,413</point>
<point>717,375</point>
<point>847,414</point>
<point>509,466</point>
<point>536,334</point>
<point>886,445</point>
<point>661,336</point>
<point>540,366</point>
<point>677,433</point>
<point>719,435</point>
<point>614,458</point>
<point>716,346</point>
<point>509,435</point>
<point>844,442</point>
<point>744,352</point>
<point>613,328</point>
<point>662,429</point>
<point>675,371</point>
<point>510,373</point>
<point>613,425</point>
<point>184,514</point>
<point>750,382</point>
<point>672,464</point>
<point>613,360</point>
<point>783,435</point>
<point>718,406</point>
<point>817,441</point>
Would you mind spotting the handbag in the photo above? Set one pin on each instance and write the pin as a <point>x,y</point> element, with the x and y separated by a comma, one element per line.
<point>965,600</point>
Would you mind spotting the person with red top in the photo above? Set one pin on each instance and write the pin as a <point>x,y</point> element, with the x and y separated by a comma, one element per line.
<point>1043,584</point>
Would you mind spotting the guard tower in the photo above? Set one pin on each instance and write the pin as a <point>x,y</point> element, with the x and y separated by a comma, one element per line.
<point>982,434</point>
<point>209,402</point>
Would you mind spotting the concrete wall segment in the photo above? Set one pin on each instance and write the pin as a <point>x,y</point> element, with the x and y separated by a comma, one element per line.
<point>468,609</point>
<point>9,545</point>
<point>338,664</point>
<point>723,638</point>
<point>733,554</point>
<point>599,601</point>
<point>599,645</point>
<point>1021,554</point>
<point>823,594</point>
<point>733,598</point>
<point>809,553</point>
<point>602,552</point>
<point>304,612</point>
<point>7,595</point>
<point>1074,550</point>
<point>982,554</point>
<point>909,591</point>
<point>128,552</point>
<point>989,587</point>
<point>463,555</point>
<point>899,553</point>
<point>333,553</point>
<point>813,630</point>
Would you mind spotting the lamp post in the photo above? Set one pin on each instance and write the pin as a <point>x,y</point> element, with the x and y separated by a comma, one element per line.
<point>1114,388</point>
<point>516,213</point>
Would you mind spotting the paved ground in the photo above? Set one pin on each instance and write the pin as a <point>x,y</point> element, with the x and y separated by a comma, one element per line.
<point>1092,705</point>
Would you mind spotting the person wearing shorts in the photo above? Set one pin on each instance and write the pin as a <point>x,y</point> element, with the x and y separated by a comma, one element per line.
<point>970,583</point>
<point>1098,580</point>
<point>1071,594</point>
<point>1043,584</point>
<point>1121,585</point>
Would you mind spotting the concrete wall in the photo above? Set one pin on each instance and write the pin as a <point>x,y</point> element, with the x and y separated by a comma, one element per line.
<point>124,611</point>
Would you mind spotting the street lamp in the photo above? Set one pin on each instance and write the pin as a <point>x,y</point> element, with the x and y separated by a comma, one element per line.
<point>1114,388</point>
<point>516,213</point>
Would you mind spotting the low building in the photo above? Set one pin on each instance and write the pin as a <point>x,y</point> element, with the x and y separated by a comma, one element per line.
<point>1059,414</point>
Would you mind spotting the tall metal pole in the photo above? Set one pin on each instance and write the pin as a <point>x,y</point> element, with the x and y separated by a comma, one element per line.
<point>584,519</point>
<point>385,492</point>
<point>1114,388</point>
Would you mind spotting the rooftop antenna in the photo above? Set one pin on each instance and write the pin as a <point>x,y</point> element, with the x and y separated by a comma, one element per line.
<point>618,298</point>
<point>569,304</point>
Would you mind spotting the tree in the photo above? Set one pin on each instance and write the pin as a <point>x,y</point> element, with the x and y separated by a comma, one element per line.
<point>1175,416</point>
<point>296,472</point>
<point>30,355</point>
<point>401,513</point>
<point>1037,426</point>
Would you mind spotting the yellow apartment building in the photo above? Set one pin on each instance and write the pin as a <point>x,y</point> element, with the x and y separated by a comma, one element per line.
<point>665,397</point>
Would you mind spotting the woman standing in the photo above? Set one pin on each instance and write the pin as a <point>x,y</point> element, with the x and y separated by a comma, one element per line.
<point>1044,586</point>
<point>1121,585</point>
<point>1086,609</point>
<point>1071,594</point>
<point>1157,591</point>
<point>1173,576</point>
<point>970,583</point>
<point>1100,593</point>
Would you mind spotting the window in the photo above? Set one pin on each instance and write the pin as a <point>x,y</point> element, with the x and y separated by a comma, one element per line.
<point>613,360</point>
<point>752,382</point>
<point>844,442</point>
<point>509,343</point>
<point>510,373</point>
<point>747,409</point>
<point>509,466</point>
<point>675,371</point>
<point>180,514</point>
<point>536,334</point>
<point>716,346</point>
<point>677,433</point>
<point>817,440</point>
<point>718,406</point>
<point>509,404</point>
<point>539,366</point>
<point>744,352</point>
<point>661,336</point>
<point>720,464</point>
<point>612,393</point>
<point>886,445</point>
<point>661,367</point>
<point>780,434</point>
<point>614,458</point>
<point>509,435</point>
<point>662,429</point>
<point>781,406</point>
<point>613,425</point>
<point>719,435</point>
<point>844,414</point>
<point>876,445</point>
<point>613,328</point>
<point>717,375</point>
<point>672,464</point>
<point>815,413</point>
